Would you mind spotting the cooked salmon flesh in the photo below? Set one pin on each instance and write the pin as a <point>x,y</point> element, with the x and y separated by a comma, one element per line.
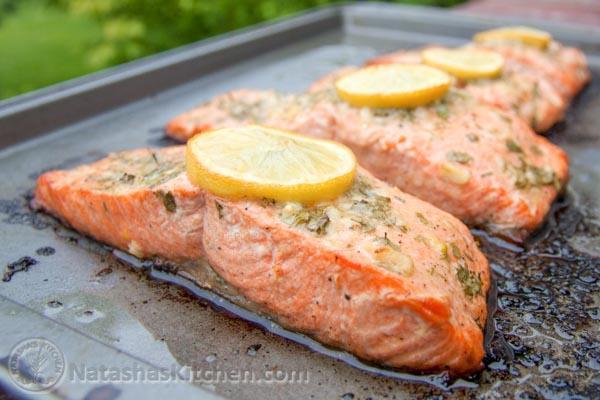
<point>480,163</point>
<point>376,272</point>
<point>537,85</point>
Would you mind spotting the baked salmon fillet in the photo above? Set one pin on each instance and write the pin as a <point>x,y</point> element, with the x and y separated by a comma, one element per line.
<point>376,271</point>
<point>479,163</point>
<point>536,84</point>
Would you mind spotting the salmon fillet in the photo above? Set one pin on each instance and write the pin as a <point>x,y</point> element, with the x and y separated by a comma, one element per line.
<point>481,164</point>
<point>566,68</point>
<point>376,272</point>
<point>537,85</point>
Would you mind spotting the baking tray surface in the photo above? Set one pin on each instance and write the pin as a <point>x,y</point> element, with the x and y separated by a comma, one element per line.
<point>89,300</point>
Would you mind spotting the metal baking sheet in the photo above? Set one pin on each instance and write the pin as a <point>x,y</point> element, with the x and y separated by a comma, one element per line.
<point>97,309</point>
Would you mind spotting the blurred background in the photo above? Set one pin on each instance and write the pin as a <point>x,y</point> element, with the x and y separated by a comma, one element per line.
<point>48,41</point>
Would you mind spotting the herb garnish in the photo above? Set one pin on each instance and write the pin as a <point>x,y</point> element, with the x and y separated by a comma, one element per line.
<point>455,250</point>
<point>470,281</point>
<point>266,202</point>
<point>219,208</point>
<point>168,200</point>
<point>527,175</point>
<point>459,157</point>
<point>385,241</point>
<point>422,218</point>
<point>314,219</point>
<point>442,110</point>
<point>472,137</point>
<point>127,178</point>
<point>513,146</point>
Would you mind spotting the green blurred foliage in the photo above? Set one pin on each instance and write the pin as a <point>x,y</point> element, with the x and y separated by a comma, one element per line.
<point>133,28</point>
<point>7,7</point>
<point>40,46</point>
<point>47,41</point>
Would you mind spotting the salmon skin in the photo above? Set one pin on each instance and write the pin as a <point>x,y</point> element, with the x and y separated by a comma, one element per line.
<point>537,85</point>
<point>479,163</point>
<point>376,272</point>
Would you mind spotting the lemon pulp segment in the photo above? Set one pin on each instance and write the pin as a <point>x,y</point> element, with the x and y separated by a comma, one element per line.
<point>261,162</point>
<point>521,34</point>
<point>393,85</point>
<point>465,63</point>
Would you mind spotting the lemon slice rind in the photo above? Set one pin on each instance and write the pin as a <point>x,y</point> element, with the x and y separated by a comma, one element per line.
<point>520,34</point>
<point>259,162</point>
<point>393,85</point>
<point>465,63</point>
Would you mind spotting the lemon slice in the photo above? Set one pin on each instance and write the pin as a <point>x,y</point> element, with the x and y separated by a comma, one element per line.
<point>393,85</point>
<point>260,162</point>
<point>465,63</point>
<point>521,34</point>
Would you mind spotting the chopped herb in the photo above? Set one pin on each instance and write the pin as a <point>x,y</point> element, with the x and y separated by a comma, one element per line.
<point>381,112</point>
<point>168,200</point>
<point>527,176</point>
<point>459,157</point>
<point>513,146</point>
<point>363,224</point>
<point>470,281</point>
<point>455,250</point>
<point>362,187</point>
<point>505,118</point>
<point>314,219</point>
<point>219,208</point>
<point>408,114</point>
<point>154,157</point>
<point>377,207</point>
<point>472,137</point>
<point>127,178</point>
<point>266,202</point>
<point>536,150</point>
<point>489,173</point>
<point>385,241</point>
<point>422,218</point>
<point>442,110</point>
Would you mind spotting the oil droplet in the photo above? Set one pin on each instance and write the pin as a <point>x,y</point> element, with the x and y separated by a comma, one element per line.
<point>55,304</point>
<point>53,307</point>
<point>89,316</point>
<point>252,350</point>
<point>211,358</point>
